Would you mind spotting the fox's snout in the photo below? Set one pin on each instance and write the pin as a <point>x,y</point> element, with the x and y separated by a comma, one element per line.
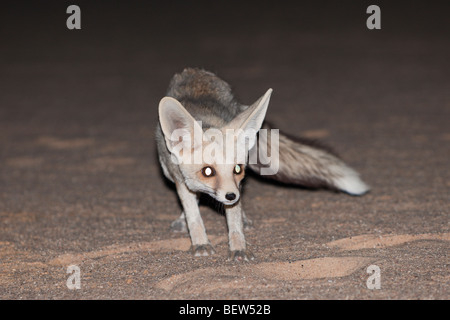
<point>227,197</point>
<point>227,190</point>
<point>230,198</point>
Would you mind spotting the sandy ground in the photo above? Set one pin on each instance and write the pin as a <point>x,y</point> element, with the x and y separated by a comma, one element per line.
<point>80,184</point>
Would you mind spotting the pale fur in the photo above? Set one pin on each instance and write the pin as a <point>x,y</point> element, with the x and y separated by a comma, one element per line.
<point>198,95</point>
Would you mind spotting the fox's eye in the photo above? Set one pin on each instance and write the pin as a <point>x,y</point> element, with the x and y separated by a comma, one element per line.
<point>237,169</point>
<point>208,172</point>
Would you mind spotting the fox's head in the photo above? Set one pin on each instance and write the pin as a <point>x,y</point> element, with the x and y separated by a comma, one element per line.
<point>212,161</point>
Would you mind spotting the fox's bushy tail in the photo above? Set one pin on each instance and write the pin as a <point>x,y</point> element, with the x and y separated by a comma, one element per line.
<point>308,163</point>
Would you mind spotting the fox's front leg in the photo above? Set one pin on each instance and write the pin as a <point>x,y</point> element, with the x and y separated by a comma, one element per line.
<point>236,238</point>
<point>200,243</point>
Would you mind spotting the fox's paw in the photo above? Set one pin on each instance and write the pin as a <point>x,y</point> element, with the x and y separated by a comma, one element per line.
<point>179,226</point>
<point>202,250</point>
<point>241,255</point>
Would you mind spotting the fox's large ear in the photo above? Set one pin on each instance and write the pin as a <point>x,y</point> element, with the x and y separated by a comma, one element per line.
<point>176,123</point>
<point>251,119</point>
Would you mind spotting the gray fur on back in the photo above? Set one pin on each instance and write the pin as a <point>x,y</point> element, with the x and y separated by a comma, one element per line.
<point>205,96</point>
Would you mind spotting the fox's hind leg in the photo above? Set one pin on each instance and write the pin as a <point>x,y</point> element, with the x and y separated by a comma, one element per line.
<point>236,238</point>
<point>248,223</point>
<point>179,225</point>
<point>200,243</point>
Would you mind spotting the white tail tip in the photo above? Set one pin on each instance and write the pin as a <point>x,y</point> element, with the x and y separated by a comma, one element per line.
<point>352,184</point>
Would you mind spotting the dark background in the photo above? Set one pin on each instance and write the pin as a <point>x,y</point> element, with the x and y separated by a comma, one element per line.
<point>78,168</point>
<point>139,45</point>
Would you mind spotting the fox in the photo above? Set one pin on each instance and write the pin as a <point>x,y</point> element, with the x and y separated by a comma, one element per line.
<point>198,101</point>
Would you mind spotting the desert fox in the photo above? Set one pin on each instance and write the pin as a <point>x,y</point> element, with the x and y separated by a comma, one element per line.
<point>199,101</point>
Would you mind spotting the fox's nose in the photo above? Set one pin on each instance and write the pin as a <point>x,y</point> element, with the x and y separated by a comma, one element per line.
<point>230,196</point>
